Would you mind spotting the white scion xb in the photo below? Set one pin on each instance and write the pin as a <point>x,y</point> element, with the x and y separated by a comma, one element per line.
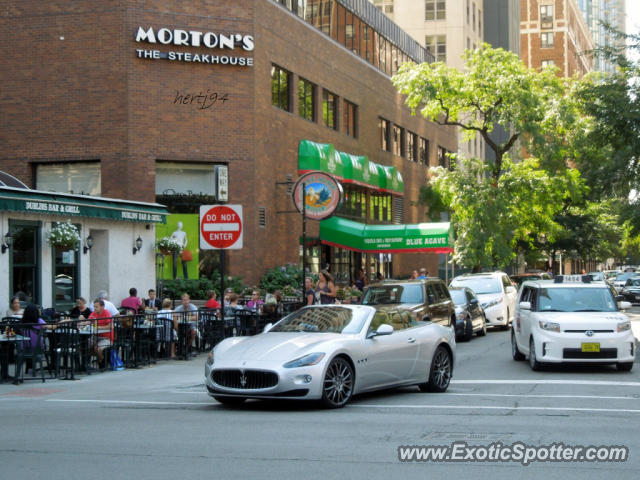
<point>571,319</point>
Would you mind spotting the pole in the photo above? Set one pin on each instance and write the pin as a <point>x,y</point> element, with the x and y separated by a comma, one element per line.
<point>304,237</point>
<point>222,275</point>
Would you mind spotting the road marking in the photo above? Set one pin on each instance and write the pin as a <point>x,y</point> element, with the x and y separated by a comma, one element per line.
<point>547,382</point>
<point>130,402</point>
<point>536,396</point>
<point>506,407</point>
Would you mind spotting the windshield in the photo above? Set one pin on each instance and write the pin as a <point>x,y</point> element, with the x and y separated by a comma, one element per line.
<point>322,320</point>
<point>393,294</point>
<point>635,282</point>
<point>479,285</point>
<point>576,299</point>
<point>622,277</point>
<point>458,296</point>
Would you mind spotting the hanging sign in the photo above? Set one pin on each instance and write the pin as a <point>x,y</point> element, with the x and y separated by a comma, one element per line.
<point>322,193</point>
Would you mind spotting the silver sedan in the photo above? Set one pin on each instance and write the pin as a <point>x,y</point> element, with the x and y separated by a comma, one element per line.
<point>330,353</point>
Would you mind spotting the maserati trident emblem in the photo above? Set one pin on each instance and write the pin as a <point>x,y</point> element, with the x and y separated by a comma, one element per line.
<point>589,333</point>
<point>243,379</point>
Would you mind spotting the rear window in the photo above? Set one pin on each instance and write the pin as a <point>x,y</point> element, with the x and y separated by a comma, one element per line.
<point>479,285</point>
<point>393,294</point>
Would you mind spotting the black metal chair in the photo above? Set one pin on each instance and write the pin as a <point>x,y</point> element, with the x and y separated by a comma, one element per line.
<point>212,328</point>
<point>246,321</point>
<point>124,340</point>
<point>67,350</point>
<point>31,349</point>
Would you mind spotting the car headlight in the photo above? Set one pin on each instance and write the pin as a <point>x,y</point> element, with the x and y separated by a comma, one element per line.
<point>624,326</point>
<point>550,326</point>
<point>307,360</point>
<point>493,302</point>
<point>210,358</point>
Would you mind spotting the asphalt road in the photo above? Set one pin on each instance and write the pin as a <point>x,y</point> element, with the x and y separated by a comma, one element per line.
<point>158,423</point>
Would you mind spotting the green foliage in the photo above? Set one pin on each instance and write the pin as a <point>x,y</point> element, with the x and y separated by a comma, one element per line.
<point>197,288</point>
<point>287,278</point>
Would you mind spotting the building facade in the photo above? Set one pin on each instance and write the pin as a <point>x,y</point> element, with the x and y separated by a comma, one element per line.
<point>554,33</point>
<point>142,100</point>
<point>597,13</point>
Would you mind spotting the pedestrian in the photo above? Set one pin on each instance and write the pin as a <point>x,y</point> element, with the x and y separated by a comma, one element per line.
<point>360,280</point>
<point>309,294</point>
<point>423,274</point>
<point>325,288</point>
<point>414,275</point>
<point>379,277</point>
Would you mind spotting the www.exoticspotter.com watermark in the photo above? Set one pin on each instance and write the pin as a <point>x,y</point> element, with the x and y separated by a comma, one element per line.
<point>514,452</point>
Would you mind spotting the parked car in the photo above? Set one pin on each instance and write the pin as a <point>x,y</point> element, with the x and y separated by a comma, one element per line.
<point>571,320</point>
<point>330,353</point>
<point>621,279</point>
<point>469,313</point>
<point>631,290</point>
<point>425,300</point>
<point>521,277</point>
<point>496,293</point>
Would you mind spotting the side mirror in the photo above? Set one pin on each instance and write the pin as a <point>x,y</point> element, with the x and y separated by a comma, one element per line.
<point>384,329</point>
<point>510,289</point>
<point>624,305</point>
<point>525,305</point>
<point>619,298</point>
<point>473,301</point>
<point>267,327</point>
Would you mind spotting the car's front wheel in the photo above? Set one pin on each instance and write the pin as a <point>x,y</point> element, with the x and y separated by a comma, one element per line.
<point>533,360</point>
<point>624,367</point>
<point>468,329</point>
<point>440,373</point>
<point>483,331</point>
<point>230,400</point>
<point>337,387</point>
<point>515,352</point>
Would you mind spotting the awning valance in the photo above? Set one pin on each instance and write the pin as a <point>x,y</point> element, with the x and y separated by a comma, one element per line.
<point>412,238</point>
<point>348,168</point>
<point>68,205</point>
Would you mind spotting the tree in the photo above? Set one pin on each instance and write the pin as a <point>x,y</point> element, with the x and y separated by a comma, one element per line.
<point>497,204</point>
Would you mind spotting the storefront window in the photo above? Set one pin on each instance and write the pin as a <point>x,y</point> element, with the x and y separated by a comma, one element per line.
<point>174,178</point>
<point>25,270</point>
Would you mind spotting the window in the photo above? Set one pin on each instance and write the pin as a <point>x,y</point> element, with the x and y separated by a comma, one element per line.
<point>350,119</point>
<point>434,10</point>
<point>423,154</point>
<point>412,143</point>
<point>437,45</point>
<point>479,22</point>
<point>468,20</point>
<point>443,159</point>
<point>25,261</point>
<point>398,141</point>
<point>71,177</point>
<point>384,127</point>
<point>185,178</point>
<point>280,81</point>
<point>65,276</point>
<point>468,43</point>
<point>547,63</point>
<point>546,16</point>
<point>546,40</point>
<point>306,99</point>
<point>329,109</point>
<point>474,17</point>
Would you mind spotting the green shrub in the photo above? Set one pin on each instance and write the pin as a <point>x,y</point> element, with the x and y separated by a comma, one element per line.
<point>287,278</point>
<point>197,288</point>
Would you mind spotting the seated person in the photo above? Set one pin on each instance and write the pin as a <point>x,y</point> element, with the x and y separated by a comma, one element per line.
<point>255,301</point>
<point>153,303</point>
<point>189,315</point>
<point>132,302</point>
<point>105,329</point>
<point>15,310</point>
<point>212,302</point>
<point>80,311</point>
<point>31,317</point>
<point>170,334</point>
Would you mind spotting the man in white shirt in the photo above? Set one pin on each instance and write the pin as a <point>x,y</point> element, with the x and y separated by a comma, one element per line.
<point>108,306</point>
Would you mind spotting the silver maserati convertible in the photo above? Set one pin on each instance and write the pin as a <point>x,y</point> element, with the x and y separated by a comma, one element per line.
<point>330,353</point>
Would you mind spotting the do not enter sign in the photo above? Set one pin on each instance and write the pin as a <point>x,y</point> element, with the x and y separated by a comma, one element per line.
<point>220,227</point>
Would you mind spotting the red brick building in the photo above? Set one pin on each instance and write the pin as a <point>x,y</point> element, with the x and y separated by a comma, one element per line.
<point>554,32</point>
<point>126,98</point>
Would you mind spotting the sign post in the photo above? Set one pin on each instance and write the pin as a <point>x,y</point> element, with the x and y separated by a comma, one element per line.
<point>221,229</point>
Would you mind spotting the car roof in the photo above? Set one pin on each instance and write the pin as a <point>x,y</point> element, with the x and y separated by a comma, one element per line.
<point>477,275</point>
<point>405,282</point>
<point>553,284</point>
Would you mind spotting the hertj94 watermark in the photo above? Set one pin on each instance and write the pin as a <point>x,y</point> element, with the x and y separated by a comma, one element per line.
<point>514,452</point>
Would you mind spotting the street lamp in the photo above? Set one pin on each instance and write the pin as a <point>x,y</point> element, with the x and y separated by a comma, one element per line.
<point>88,243</point>
<point>7,242</point>
<point>137,245</point>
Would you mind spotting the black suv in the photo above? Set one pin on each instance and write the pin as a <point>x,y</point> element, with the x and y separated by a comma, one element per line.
<point>425,300</point>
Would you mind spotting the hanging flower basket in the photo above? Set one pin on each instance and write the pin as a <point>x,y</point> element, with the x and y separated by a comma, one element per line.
<point>64,235</point>
<point>168,246</point>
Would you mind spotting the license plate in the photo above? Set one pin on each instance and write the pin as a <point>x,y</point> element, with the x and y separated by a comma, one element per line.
<point>590,347</point>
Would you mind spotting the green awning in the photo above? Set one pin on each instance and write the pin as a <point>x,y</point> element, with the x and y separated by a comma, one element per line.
<point>68,205</point>
<point>412,238</point>
<point>348,168</point>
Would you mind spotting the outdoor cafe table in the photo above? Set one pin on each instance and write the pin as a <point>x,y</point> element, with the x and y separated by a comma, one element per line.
<point>7,343</point>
